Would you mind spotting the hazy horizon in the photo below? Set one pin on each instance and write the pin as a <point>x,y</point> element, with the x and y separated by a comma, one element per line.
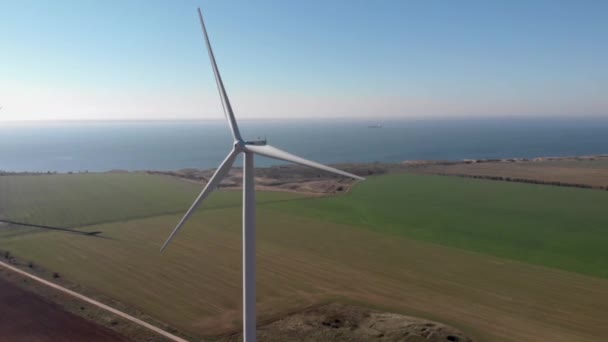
<point>345,119</point>
<point>146,60</point>
<point>172,145</point>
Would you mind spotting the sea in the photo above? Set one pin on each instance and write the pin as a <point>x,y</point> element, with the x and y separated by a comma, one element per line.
<point>171,145</point>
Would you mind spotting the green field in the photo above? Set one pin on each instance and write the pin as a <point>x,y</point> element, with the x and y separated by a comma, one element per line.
<point>565,228</point>
<point>388,244</point>
<point>85,199</point>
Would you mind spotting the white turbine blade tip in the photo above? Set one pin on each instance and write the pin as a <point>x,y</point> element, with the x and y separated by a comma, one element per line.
<point>162,248</point>
<point>214,181</point>
<point>220,84</point>
<point>173,234</point>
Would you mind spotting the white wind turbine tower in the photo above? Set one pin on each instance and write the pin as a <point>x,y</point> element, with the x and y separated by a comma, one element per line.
<point>249,149</point>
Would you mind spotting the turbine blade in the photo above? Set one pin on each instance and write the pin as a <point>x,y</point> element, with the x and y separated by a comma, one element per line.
<point>215,180</point>
<point>273,152</point>
<point>220,85</point>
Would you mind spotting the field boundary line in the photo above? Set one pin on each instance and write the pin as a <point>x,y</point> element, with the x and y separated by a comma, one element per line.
<point>96,303</point>
<point>513,179</point>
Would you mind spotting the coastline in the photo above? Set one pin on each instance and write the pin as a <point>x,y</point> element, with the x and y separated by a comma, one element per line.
<point>569,171</point>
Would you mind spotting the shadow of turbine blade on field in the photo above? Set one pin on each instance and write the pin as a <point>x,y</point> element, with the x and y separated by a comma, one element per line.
<point>67,230</point>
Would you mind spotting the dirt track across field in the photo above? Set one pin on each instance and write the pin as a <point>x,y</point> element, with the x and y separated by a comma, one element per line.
<point>28,317</point>
<point>7,320</point>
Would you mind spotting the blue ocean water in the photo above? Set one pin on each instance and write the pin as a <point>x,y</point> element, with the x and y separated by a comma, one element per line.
<point>102,146</point>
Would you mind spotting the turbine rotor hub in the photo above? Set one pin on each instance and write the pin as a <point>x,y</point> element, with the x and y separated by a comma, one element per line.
<point>239,145</point>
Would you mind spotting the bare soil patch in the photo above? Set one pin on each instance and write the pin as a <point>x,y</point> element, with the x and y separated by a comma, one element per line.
<point>291,178</point>
<point>29,317</point>
<point>340,322</point>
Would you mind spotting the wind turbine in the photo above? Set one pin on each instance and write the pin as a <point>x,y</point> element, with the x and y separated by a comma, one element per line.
<point>249,149</point>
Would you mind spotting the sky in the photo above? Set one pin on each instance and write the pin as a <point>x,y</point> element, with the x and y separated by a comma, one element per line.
<point>146,60</point>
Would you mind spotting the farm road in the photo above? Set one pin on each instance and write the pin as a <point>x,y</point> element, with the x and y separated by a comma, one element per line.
<point>3,318</point>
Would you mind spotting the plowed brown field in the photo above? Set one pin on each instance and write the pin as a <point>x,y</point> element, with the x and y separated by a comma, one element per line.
<point>25,316</point>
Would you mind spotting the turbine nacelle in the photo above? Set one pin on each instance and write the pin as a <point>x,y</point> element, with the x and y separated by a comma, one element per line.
<point>256,142</point>
<point>241,146</point>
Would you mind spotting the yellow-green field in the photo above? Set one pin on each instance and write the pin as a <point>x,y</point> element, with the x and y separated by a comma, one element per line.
<point>386,255</point>
<point>592,173</point>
